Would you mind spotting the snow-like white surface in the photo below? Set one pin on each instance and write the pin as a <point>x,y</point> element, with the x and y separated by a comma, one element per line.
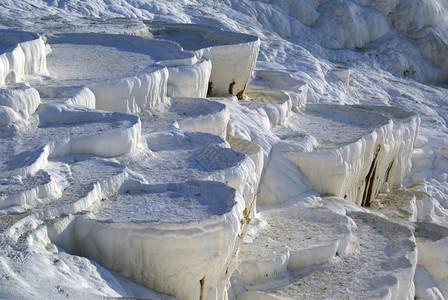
<point>425,286</point>
<point>277,105</point>
<point>384,269</point>
<point>121,70</point>
<point>92,61</point>
<point>22,54</point>
<point>164,52</point>
<point>63,158</point>
<point>55,130</point>
<point>181,242</point>
<point>23,101</point>
<point>180,156</point>
<point>348,152</point>
<point>124,72</point>
<point>282,81</point>
<point>233,55</point>
<point>400,204</point>
<point>361,162</point>
<point>290,239</point>
<point>431,242</point>
<point>189,81</point>
<point>203,116</point>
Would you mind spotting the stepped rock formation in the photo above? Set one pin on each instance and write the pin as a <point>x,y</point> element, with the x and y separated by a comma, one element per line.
<point>169,160</point>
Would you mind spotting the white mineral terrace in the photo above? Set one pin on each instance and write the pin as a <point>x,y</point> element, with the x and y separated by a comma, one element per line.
<point>346,125</point>
<point>197,221</point>
<point>169,203</point>
<point>114,160</point>
<point>194,114</point>
<point>290,239</point>
<point>384,270</point>
<point>59,129</point>
<point>276,104</point>
<point>351,152</point>
<point>281,81</point>
<point>431,240</point>
<point>22,53</point>
<point>105,61</point>
<point>180,156</point>
<point>126,73</point>
<point>233,56</point>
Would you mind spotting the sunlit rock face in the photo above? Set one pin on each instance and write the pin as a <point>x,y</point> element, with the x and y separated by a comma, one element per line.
<point>181,245</point>
<point>127,73</point>
<point>290,239</point>
<point>359,158</point>
<point>233,55</point>
<point>23,54</point>
<point>431,241</point>
<point>393,279</point>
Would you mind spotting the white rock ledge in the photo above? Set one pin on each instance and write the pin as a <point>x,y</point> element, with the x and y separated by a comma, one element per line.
<point>163,52</point>
<point>195,155</point>
<point>28,190</point>
<point>192,114</point>
<point>359,150</point>
<point>233,55</point>
<point>293,238</point>
<point>70,95</point>
<point>399,204</point>
<point>21,54</point>
<point>283,81</point>
<point>54,213</point>
<point>276,104</point>
<point>203,115</point>
<point>379,263</point>
<point>432,240</point>
<point>190,257</point>
<point>22,100</point>
<point>189,81</point>
<point>126,73</point>
<point>56,131</point>
<point>251,181</point>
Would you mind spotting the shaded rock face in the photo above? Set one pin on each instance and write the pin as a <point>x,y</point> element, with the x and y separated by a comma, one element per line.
<point>433,45</point>
<point>355,24</point>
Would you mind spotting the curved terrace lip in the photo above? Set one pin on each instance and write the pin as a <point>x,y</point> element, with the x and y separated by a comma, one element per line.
<point>390,112</point>
<point>178,196</point>
<point>204,36</point>
<point>158,50</point>
<point>11,38</point>
<point>204,107</point>
<point>359,120</point>
<point>160,53</point>
<point>430,231</point>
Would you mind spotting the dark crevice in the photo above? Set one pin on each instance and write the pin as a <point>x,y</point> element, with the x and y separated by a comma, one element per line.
<point>231,86</point>
<point>386,177</point>
<point>210,88</point>
<point>240,95</point>
<point>202,282</point>
<point>369,180</point>
<point>369,189</point>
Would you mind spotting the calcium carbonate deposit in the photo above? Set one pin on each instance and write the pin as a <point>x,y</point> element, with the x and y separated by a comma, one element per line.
<point>278,149</point>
